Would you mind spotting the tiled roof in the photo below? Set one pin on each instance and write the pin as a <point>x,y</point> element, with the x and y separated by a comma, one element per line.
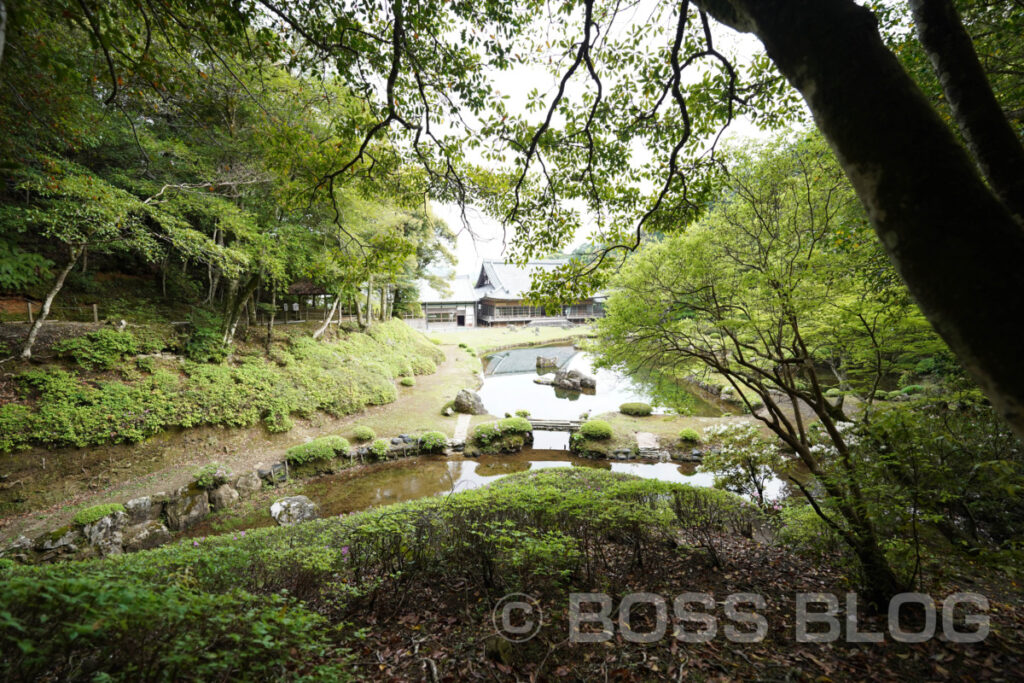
<point>501,280</point>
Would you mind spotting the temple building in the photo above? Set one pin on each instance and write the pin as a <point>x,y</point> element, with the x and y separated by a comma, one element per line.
<point>495,297</point>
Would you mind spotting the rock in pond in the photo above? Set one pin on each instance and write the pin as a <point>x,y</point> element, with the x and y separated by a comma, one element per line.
<point>294,509</point>
<point>573,380</point>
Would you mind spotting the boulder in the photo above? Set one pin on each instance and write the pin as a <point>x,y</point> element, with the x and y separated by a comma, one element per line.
<point>545,362</point>
<point>105,534</point>
<point>18,550</point>
<point>222,497</point>
<point>469,402</point>
<point>294,509</point>
<point>248,484</point>
<point>574,380</point>
<point>65,539</point>
<point>143,509</point>
<point>145,536</point>
<point>189,505</point>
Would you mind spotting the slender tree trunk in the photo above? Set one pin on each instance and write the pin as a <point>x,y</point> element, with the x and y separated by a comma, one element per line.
<point>359,313</point>
<point>327,321</point>
<point>955,244</point>
<point>3,30</point>
<point>270,321</point>
<point>991,139</point>
<point>26,351</point>
<point>369,301</point>
<point>236,302</point>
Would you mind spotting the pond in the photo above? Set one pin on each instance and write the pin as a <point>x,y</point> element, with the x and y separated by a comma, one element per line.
<point>509,386</point>
<point>423,476</point>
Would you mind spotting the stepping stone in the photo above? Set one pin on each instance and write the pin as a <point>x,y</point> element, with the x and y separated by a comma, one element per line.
<point>461,427</point>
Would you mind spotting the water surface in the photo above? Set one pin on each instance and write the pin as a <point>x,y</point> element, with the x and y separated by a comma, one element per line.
<point>509,386</point>
<point>423,476</point>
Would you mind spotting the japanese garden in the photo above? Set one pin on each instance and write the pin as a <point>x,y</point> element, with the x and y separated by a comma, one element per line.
<point>519,341</point>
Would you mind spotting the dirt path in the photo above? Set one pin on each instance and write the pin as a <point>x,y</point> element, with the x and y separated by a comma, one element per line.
<point>52,485</point>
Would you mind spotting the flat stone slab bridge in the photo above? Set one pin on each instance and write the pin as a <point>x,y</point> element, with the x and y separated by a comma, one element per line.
<point>556,425</point>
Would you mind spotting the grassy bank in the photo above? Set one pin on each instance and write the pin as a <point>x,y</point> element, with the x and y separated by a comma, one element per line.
<point>407,592</point>
<point>122,387</point>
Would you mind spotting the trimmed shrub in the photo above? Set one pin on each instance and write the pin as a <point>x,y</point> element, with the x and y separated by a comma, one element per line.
<point>363,434</point>
<point>380,447</point>
<point>96,513</point>
<point>514,425</point>
<point>523,413</point>
<point>433,442</point>
<point>834,392</point>
<point>324,448</point>
<point>635,409</point>
<point>485,433</point>
<point>596,429</point>
<point>912,389</point>
<point>211,476</point>
<point>407,382</point>
<point>689,435</point>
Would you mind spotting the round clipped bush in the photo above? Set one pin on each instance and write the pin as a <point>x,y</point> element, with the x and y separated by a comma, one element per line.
<point>362,433</point>
<point>834,392</point>
<point>635,409</point>
<point>912,389</point>
<point>380,447</point>
<point>485,433</point>
<point>433,442</point>
<point>689,435</point>
<point>596,429</point>
<point>514,425</point>
<point>324,448</point>
<point>96,513</point>
<point>523,413</point>
<point>408,381</point>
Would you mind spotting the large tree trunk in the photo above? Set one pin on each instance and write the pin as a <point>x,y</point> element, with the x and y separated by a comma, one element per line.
<point>955,244</point>
<point>26,350</point>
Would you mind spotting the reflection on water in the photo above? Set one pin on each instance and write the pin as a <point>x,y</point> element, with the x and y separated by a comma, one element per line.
<point>431,476</point>
<point>509,386</point>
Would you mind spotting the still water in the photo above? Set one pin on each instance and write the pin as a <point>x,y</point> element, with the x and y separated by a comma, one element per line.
<point>423,476</point>
<point>509,386</point>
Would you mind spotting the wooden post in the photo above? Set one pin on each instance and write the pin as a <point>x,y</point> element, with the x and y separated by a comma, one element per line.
<point>29,304</point>
<point>95,313</point>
